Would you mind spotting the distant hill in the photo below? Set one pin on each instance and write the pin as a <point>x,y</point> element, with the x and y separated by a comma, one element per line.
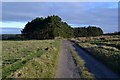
<point>10,36</point>
<point>10,30</point>
<point>115,33</point>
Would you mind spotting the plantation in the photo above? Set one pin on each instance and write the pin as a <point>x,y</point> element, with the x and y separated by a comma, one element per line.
<point>104,48</point>
<point>29,59</point>
<point>53,26</point>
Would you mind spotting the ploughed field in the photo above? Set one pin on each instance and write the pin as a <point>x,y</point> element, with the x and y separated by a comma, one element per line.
<point>104,48</point>
<point>29,59</point>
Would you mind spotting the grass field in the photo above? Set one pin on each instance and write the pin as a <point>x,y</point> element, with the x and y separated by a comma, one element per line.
<point>104,48</point>
<point>29,59</point>
<point>38,58</point>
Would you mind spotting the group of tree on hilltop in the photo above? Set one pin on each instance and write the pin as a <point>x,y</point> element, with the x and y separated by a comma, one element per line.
<point>47,28</point>
<point>53,26</point>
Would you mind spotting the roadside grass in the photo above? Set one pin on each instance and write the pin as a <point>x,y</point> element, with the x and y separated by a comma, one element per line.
<point>107,54</point>
<point>83,71</point>
<point>36,58</point>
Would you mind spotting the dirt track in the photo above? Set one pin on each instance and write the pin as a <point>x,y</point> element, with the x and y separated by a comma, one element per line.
<point>67,68</point>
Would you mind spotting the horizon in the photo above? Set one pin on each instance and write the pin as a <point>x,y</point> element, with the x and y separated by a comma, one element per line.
<point>76,14</point>
<point>8,30</point>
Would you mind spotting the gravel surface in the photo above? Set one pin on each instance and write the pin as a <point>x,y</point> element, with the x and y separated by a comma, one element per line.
<point>67,68</point>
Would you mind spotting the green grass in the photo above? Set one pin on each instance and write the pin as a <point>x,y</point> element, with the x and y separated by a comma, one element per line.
<point>30,59</point>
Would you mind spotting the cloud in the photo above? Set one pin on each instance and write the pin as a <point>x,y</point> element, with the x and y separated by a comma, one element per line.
<point>60,0</point>
<point>103,14</point>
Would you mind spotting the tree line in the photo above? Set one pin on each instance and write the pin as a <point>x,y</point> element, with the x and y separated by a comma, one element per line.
<point>53,26</point>
<point>87,31</point>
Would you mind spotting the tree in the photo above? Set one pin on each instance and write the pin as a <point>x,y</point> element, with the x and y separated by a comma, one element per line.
<point>87,31</point>
<point>47,28</point>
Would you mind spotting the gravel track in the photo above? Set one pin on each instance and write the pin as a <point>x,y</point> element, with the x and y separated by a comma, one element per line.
<point>67,68</point>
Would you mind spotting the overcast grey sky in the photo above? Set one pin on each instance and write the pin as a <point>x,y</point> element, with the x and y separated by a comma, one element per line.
<point>76,14</point>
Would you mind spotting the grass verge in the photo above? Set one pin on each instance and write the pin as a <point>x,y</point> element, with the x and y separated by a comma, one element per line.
<point>108,57</point>
<point>84,73</point>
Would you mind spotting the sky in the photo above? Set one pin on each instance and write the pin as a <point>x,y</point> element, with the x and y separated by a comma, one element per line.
<point>76,14</point>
